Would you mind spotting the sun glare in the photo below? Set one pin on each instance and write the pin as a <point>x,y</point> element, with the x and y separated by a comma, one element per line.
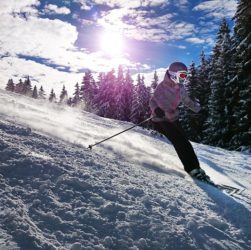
<point>111,43</point>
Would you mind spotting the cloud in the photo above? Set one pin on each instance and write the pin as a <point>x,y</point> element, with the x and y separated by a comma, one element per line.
<point>181,4</point>
<point>37,37</point>
<point>11,6</point>
<point>210,41</point>
<point>48,77</point>
<point>195,40</point>
<point>180,46</point>
<point>25,33</point>
<point>14,7</point>
<point>218,8</point>
<point>85,4</point>
<point>208,26</point>
<point>207,41</point>
<point>122,3</point>
<point>45,42</point>
<point>54,9</point>
<point>140,25</point>
<point>51,40</point>
<point>16,68</point>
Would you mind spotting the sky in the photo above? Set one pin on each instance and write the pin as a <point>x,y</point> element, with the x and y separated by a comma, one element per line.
<point>55,42</point>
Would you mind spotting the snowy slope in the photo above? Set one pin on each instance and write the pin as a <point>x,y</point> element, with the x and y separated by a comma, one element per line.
<point>128,193</point>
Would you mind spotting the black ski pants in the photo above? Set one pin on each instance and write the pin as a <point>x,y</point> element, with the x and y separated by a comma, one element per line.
<point>183,147</point>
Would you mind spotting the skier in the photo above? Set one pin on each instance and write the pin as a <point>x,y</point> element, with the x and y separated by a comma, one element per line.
<point>164,103</point>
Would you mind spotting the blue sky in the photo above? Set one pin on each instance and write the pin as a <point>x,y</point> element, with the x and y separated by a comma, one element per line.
<point>56,41</point>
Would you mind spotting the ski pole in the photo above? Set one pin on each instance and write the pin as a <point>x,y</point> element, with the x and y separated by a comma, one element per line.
<point>108,138</point>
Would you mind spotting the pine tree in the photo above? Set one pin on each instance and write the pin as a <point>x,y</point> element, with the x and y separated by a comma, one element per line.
<point>19,87</point>
<point>34,93</point>
<point>198,87</point>
<point>189,119</point>
<point>140,104</point>
<point>88,91</point>
<point>204,90</point>
<point>105,98</point>
<point>124,95</point>
<point>63,96</point>
<point>70,102</point>
<point>119,93</point>
<point>155,81</point>
<point>27,88</point>
<point>219,77</point>
<point>240,83</point>
<point>41,93</point>
<point>128,96</point>
<point>76,96</point>
<point>10,86</point>
<point>52,97</point>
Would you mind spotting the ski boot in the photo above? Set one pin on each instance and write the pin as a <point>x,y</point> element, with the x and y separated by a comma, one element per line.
<point>201,175</point>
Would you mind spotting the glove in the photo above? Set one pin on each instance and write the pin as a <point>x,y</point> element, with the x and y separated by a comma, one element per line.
<point>159,112</point>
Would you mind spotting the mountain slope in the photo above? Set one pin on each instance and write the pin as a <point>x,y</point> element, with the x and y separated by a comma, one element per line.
<point>128,193</point>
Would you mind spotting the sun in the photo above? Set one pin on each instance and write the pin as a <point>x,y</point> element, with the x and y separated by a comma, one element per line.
<point>111,43</point>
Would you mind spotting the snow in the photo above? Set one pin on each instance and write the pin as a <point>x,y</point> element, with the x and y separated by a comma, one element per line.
<point>128,193</point>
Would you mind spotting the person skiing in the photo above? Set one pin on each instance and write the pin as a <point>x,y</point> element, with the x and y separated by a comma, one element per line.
<point>164,106</point>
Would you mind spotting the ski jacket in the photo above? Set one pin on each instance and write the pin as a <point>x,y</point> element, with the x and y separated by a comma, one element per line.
<point>168,96</point>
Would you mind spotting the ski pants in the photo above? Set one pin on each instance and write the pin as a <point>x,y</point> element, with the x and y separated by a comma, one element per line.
<point>183,147</point>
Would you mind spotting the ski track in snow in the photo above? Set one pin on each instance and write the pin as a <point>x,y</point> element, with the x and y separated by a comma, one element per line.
<point>128,193</point>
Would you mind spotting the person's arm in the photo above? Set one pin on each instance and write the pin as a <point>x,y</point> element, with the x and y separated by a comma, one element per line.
<point>193,105</point>
<point>153,105</point>
<point>156,110</point>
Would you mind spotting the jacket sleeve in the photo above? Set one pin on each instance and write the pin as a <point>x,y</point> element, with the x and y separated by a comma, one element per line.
<point>193,105</point>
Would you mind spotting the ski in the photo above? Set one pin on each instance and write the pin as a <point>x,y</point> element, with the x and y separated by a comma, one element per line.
<point>230,189</point>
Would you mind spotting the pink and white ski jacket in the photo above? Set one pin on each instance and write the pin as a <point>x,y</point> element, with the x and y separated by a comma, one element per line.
<point>168,96</point>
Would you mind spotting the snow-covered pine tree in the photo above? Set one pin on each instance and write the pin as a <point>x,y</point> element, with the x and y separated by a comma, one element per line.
<point>189,119</point>
<point>219,76</point>
<point>88,91</point>
<point>76,96</point>
<point>105,98</point>
<point>203,90</point>
<point>134,117</point>
<point>241,82</point>
<point>140,103</point>
<point>70,102</point>
<point>128,95</point>
<point>124,96</point>
<point>52,97</point>
<point>19,87</point>
<point>63,96</point>
<point>119,94</point>
<point>34,93</point>
<point>41,93</point>
<point>99,82</point>
<point>27,88</point>
<point>155,81</point>
<point>10,85</point>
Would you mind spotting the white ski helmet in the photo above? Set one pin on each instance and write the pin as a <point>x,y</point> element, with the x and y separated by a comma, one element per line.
<point>177,72</point>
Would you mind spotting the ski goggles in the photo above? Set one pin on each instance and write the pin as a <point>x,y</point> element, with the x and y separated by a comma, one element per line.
<point>179,76</point>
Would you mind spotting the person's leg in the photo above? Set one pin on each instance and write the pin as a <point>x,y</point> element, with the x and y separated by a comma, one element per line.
<point>180,142</point>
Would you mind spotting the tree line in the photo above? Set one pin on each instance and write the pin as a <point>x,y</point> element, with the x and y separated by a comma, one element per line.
<point>25,88</point>
<point>220,82</point>
<point>112,95</point>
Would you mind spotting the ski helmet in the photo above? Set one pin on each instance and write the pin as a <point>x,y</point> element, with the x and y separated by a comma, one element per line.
<point>178,72</point>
